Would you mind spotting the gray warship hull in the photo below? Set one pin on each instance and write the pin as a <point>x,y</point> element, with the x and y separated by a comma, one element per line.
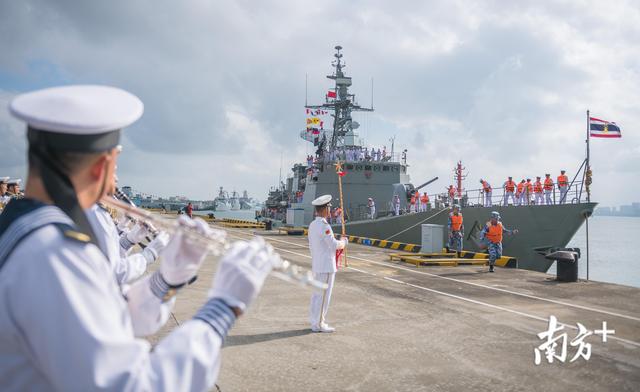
<point>540,227</point>
<point>370,174</point>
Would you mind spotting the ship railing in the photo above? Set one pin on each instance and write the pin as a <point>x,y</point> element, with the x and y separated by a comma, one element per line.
<point>342,156</point>
<point>499,197</point>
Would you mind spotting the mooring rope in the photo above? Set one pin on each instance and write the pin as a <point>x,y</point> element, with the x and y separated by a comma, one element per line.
<point>411,227</point>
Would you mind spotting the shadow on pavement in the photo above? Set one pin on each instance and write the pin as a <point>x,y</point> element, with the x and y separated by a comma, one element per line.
<point>242,340</point>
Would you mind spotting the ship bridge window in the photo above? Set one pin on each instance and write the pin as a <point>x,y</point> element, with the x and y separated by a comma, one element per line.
<point>385,168</point>
<point>367,167</point>
<point>376,168</point>
<point>358,167</point>
<point>349,167</point>
<point>404,169</point>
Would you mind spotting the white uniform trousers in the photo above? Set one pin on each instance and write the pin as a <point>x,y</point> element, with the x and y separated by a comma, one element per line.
<point>563,194</point>
<point>507,196</point>
<point>396,209</point>
<point>372,212</point>
<point>539,199</point>
<point>547,196</point>
<point>320,300</point>
<point>487,199</point>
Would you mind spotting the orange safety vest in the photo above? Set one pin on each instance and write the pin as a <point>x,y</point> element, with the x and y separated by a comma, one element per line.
<point>563,180</point>
<point>520,187</point>
<point>537,187</point>
<point>510,186</point>
<point>486,186</point>
<point>494,233</point>
<point>456,222</point>
<point>452,192</point>
<point>548,184</point>
<point>529,187</point>
<point>424,199</point>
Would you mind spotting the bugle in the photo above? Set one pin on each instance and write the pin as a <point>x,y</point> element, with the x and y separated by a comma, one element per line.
<point>216,243</point>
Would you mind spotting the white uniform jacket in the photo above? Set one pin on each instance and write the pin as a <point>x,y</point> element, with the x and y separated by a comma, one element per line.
<point>323,246</point>
<point>64,325</point>
<point>148,313</point>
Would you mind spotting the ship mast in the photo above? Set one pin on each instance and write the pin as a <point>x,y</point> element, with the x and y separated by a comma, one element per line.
<point>458,176</point>
<point>341,106</point>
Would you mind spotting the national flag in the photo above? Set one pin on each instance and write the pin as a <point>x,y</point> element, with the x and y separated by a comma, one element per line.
<point>313,120</point>
<point>331,94</point>
<point>602,128</point>
<point>339,258</point>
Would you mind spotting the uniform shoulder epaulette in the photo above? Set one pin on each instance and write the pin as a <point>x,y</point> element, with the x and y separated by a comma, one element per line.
<point>325,221</point>
<point>70,232</point>
<point>102,206</point>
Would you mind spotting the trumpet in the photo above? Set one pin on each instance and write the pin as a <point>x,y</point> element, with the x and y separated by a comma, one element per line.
<point>217,243</point>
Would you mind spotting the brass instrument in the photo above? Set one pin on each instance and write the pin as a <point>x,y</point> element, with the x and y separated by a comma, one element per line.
<point>216,243</point>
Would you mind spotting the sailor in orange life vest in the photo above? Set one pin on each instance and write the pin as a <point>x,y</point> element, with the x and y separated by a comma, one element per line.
<point>537,191</point>
<point>452,193</point>
<point>323,246</point>
<point>548,189</point>
<point>486,190</point>
<point>492,236</point>
<point>528,188</point>
<point>520,193</point>
<point>563,186</point>
<point>424,201</point>
<point>456,229</point>
<point>509,187</point>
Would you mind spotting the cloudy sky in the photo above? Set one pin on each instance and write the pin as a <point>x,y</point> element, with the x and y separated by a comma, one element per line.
<point>502,85</point>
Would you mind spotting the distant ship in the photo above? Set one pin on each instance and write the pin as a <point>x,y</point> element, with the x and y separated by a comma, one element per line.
<point>245,202</point>
<point>234,201</point>
<point>221,203</point>
<point>382,177</point>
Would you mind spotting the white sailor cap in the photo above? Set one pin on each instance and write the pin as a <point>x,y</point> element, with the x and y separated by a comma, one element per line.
<point>322,200</point>
<point>4,180</point>
<point>82,118</point>
<point>15,181</point>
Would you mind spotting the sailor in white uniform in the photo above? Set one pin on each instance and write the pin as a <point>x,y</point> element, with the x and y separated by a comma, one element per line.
<point>64,324</point>
<point>4,198</point>
<point>127,267</point>
<point>323,246</point>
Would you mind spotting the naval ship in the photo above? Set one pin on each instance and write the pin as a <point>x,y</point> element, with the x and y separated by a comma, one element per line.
<point>382,176</point>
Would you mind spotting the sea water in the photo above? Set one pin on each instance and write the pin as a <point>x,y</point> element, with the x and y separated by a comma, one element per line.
<point>613,252</point>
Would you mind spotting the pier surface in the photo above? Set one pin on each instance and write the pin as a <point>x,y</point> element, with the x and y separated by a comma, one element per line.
<point>402,328</point>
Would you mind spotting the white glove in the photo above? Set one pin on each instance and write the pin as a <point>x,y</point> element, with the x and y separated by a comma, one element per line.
<point>156,246</point>
<point>242,272</point>
<point>182,257</point>
<point>122,223</point>
<point>138,233</point>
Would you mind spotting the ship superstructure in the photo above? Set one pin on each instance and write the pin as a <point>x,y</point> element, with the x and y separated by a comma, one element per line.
<point>383,175</point>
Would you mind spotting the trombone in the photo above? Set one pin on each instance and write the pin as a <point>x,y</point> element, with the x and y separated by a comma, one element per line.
<point>216,243</point>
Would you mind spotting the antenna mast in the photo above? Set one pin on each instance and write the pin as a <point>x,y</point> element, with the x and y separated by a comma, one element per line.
<point>341,103</point>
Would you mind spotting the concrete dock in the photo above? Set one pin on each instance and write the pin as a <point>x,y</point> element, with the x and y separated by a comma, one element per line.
<point>403,328</point>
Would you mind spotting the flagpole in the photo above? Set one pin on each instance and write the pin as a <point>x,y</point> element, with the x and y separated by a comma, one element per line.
<point>586,216</point>
<point>339,172</point>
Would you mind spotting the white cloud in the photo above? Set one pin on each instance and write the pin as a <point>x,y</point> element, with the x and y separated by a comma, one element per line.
<point>501,85</point>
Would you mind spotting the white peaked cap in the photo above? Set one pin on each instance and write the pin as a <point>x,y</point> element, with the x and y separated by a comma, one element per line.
<point>79,109</point>
<point>15,181</point>
<point>322,200</point>
<point>4,180</point>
